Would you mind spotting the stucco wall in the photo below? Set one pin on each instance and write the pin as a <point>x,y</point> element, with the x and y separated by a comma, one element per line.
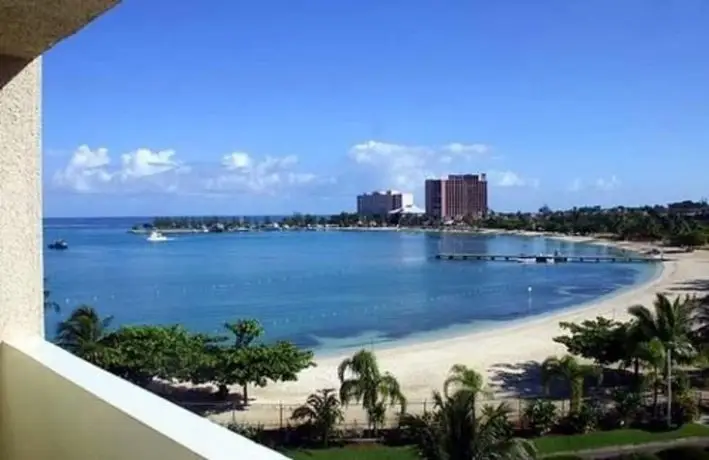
<point>21,287</point>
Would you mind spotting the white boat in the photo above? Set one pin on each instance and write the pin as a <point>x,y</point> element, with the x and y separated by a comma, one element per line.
<point>156,236</point>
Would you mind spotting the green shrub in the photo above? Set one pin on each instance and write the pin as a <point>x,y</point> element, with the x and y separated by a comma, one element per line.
<point>540,416</point>
<point>627,406</point>
<point>584,420</point>
<point>252,432</point>
<point>683,453</point>
<point>564,457</point>
<point>686,408</point>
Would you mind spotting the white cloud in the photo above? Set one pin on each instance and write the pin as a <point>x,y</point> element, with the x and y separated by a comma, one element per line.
<point>144,163</point>
<point>511,179</point>
<point>241,172</point>
<point>609,184</point>
<point>407,166</point>
<point>467,149</point>
<point>93,171</point>
<point>143,170</point>
<point>602,184</point>
<point>371,164</point>
<point>576,185</point>
<point>387,165</point>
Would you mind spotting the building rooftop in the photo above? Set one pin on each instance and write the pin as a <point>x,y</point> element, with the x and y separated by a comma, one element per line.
<point>383,192</point>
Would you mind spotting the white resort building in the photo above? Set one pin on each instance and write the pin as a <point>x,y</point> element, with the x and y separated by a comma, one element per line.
<point>54,405</point>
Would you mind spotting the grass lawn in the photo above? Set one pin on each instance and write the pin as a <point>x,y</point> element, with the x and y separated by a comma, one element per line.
<point>553,444</point>
<point>546,444</point>
<point>355,452</point>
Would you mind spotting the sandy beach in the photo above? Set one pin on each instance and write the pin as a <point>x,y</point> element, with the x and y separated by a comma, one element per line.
<point>504,354</point>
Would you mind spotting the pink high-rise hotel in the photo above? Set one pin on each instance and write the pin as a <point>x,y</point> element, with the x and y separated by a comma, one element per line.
<point>457,196</point>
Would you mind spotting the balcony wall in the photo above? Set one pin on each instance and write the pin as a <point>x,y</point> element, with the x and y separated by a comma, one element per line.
<point>56,406</point>
<point>29,27</point>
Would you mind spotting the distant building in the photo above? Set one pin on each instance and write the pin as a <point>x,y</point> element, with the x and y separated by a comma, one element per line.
<point>381,203</point>
<point>410,209</point>
<point>457,196</point>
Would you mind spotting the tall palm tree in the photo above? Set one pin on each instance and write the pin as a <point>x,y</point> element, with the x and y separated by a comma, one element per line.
<point>85,334</point>
<point>633,345</point>
<point>361,380</point>
<point>572,372</point>
<point>452,432</point>
<point>464,378</point>
<point>322,410</point>
<point>670,322</point>
<point>654,356</point>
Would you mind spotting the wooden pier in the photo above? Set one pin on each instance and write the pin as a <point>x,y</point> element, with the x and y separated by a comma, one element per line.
<point>548,259</point>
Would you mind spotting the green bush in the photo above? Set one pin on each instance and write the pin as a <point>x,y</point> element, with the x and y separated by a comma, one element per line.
<point>584,420</point>
<point>564,457</point>
<point>540,416</point>
<point>252,432</point>
<point>686,408</point>
<point>628,407</point>
<point>683,453</point>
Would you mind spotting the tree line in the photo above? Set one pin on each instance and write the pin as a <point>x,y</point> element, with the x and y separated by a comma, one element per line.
<point>679,224</point>
<point>658,345</point>
<point>141,354</point>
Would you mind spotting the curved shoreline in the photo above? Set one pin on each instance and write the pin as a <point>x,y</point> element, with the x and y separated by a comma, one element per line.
<point>501,353</point>
<point>464,330</point>
<point>421,367</point>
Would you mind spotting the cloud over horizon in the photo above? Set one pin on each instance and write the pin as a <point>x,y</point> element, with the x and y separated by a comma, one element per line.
<point>368,165</point>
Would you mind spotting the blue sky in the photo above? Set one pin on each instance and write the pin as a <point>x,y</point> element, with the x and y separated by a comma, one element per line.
<point>274,106</point>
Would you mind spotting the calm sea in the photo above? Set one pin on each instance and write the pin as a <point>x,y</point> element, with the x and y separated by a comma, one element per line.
<point>325,290</point>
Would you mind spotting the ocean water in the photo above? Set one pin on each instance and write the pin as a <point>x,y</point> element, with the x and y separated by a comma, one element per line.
<point>325,290</point>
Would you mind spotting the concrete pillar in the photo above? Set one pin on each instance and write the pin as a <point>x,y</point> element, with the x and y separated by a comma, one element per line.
<point>21,284</point>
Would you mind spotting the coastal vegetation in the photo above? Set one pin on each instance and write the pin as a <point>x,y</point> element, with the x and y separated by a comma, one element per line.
<point>145,354</point>
<point>683,224</point>
<point>627,382</point>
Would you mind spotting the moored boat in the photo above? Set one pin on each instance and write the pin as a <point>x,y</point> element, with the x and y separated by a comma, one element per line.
<point>58,245</point>
<point>156,236</point>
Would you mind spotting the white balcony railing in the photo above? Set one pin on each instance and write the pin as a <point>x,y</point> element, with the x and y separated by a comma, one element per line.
<point>56,406</point>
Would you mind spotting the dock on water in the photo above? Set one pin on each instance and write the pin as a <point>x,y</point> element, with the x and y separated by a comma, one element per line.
<point>548,259</point>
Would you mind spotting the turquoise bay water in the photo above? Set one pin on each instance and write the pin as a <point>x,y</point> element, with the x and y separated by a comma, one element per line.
<point>325,290</point>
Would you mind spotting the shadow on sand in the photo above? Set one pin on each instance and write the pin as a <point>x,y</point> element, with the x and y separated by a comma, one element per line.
<point>200,400</point>
<point>524,381</point>
<point>699,285</point>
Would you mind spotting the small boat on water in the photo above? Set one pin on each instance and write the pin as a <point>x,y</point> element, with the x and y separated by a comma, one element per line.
<point>156,236</point>
<point>58,245</point>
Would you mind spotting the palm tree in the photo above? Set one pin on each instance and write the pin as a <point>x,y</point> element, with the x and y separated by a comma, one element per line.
<point>670,323</point>
<point>653,354</point>
<point>633,344</point>
<point>464,379</point>
<point>322,411</point>
<point>452,432</point>
<point>85,334</point>
<point>362,381</point>
<point>572,372</point>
